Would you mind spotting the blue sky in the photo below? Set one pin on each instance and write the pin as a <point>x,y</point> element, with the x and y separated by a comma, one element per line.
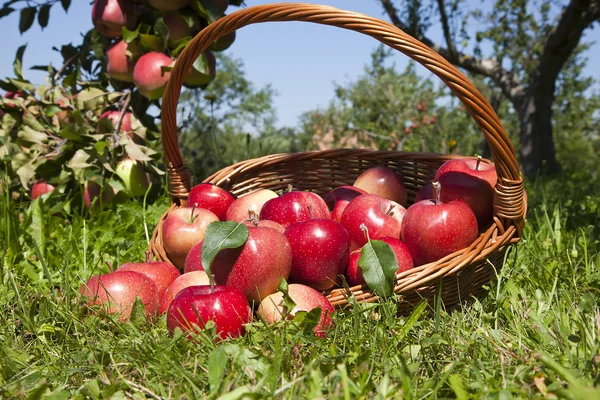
<point>302,61</point>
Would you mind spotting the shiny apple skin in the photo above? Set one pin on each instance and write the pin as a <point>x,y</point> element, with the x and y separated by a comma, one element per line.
<point>432,231</point>
<point>195,278</point>
<point>163,274</point>
<point>238,210</point>
<point>292,207</point>
<point>320,251</point>
<point>484,171</point>
<point>354,275</point>
<point>117,291</point>
<point>194,306</point>
<point>212,198</point>
<point>338,199</point>
<point>306,299</point>
<point>384,182</point>
<point>371,210</point>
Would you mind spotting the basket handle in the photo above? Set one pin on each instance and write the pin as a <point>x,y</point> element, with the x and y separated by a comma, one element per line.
<point>508,201</point>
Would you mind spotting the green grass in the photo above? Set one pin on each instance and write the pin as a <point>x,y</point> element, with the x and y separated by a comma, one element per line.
<point>536,333</point>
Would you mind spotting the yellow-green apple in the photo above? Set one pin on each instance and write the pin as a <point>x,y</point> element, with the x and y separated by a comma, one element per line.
<point>168,5</point>
<point>163,274</point>
<point>195,306</point>
<point>116,293</point>
<point>294,206</point>
<point>211,197</point>
<point>471,181</point>
<point>271,309</point>
<point>40,188</point>
<point>432,229</point>
<point>118,65</point>
<point>382,217</point>
<point>195,278</point>
<point>203,70</point>
<point>239,209</point>
<point>111,16</point>
<point>150,74</point>
<point>384,182</point>
<point>182,229</point>
<point>97,196</point>
<point>177,26</point>
<point>338,199</point>
<point>134,176</point>
<point>354,275</point>
<point>320,250</point>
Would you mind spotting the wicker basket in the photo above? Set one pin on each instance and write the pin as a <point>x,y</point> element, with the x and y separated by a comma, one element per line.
<point>461,274</point>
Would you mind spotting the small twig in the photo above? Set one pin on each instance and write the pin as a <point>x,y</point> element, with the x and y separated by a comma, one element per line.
<point>64,66</point>
<point>124,106</point>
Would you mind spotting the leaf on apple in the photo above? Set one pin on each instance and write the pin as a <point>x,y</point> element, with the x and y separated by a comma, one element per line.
<point>308,321</point>
<point>219,236</point>
<point>379,267</point>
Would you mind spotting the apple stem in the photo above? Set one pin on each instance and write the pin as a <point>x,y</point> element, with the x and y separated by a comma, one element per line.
<point>109,264</point>
<point>478,162</point>
<point>390,211</point>
<point>211,279</point>
<point>194,209</point>
<point>290,188</point>
<point>310,212</point>
<point>365,232</point>
<point>252,217</point>
<point>147,256</point>
<point>437,192</point>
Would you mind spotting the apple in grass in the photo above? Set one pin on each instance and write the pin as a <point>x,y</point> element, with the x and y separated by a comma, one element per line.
<point>272,308</point>
<point>239,209</point>
<point>150,74</point>
<point>97,196</point>
<point>294,206</point>
<point>116,293</point>
<point>212,198</point>
<point>111,16</point>
<point>382,217</point>
<point>40,188</point>
<point>338,199</point>
<point>118,65</point>
<point>182,229</point>
<point>320,250</point>
<point>432,229</point>
<point>354,275</point>
<point>163,274</point>
<point>195,306</point>
<point>193,278</point>
<point>384,182</point>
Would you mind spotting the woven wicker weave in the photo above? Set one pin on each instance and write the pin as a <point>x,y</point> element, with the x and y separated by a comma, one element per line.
<point>461,274</point>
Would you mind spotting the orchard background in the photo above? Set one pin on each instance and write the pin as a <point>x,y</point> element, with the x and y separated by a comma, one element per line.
<point>69,124</point>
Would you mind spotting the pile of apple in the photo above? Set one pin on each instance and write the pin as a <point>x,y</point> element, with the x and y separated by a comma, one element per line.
<point>155,32</point>
<point>313,242</point>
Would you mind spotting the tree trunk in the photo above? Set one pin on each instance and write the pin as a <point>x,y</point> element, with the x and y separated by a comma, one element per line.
<point>538,154</point>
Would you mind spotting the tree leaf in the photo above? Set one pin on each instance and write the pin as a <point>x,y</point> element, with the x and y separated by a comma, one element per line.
<point>31,135</point>
<point>5,11</point>
<point>152,42</point>
<point>217,361</point>
<point>44,15</point>
<point>65,4</point>
<point>27,18</point>
<point>18,63</point>
<point>379,267</point>
<point>219,236</point>
<point>135,152</point>
<point>31,121</point>
<point>80,159</point>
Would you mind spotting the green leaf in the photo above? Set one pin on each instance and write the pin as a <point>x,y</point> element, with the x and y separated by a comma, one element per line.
<point>18,63</point>
<point>219,236</point>
<point>80,159</point>
<point>208,9</point>
<point>129,36</point>
<point>217,361</point>
<point>379,267</point>
<point>37,224</point>
<point>21,84</point>
<point>152,42</point>
<point>44,15</point>
<point>27,18</point>
<point>31,121</point>
<point>135,152</point>
<point>65,4</point>
<point>32,136</point>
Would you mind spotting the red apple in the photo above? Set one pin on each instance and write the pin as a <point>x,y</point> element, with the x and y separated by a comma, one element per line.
<point>195,278</point>
<point>163,274</point>
<point>271,309</point>
<point>255,268</point>
<point>40,188</point>
<point>168,5</point>
<point>384,182</point>
<point>212,198</point>
<point>111,16</point>
<point>194,306</point>
<point>338,199</point>
<point>182,229</point>
<point>177,26</point>
<point>354,275</point>
<point>382,217</point>
<point>113,116</point>
<point>96,196</point>
<point>432,229</point>
<point>425,193</point>
<point>320,250</point>
<point>149,75</point>
<point>265,223</point>
<point>117,292</point>
<point>118,65</point>
<point>204,70</point>
<point>238,210</point>
<point>471,181</point>
<point>292,207</point>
